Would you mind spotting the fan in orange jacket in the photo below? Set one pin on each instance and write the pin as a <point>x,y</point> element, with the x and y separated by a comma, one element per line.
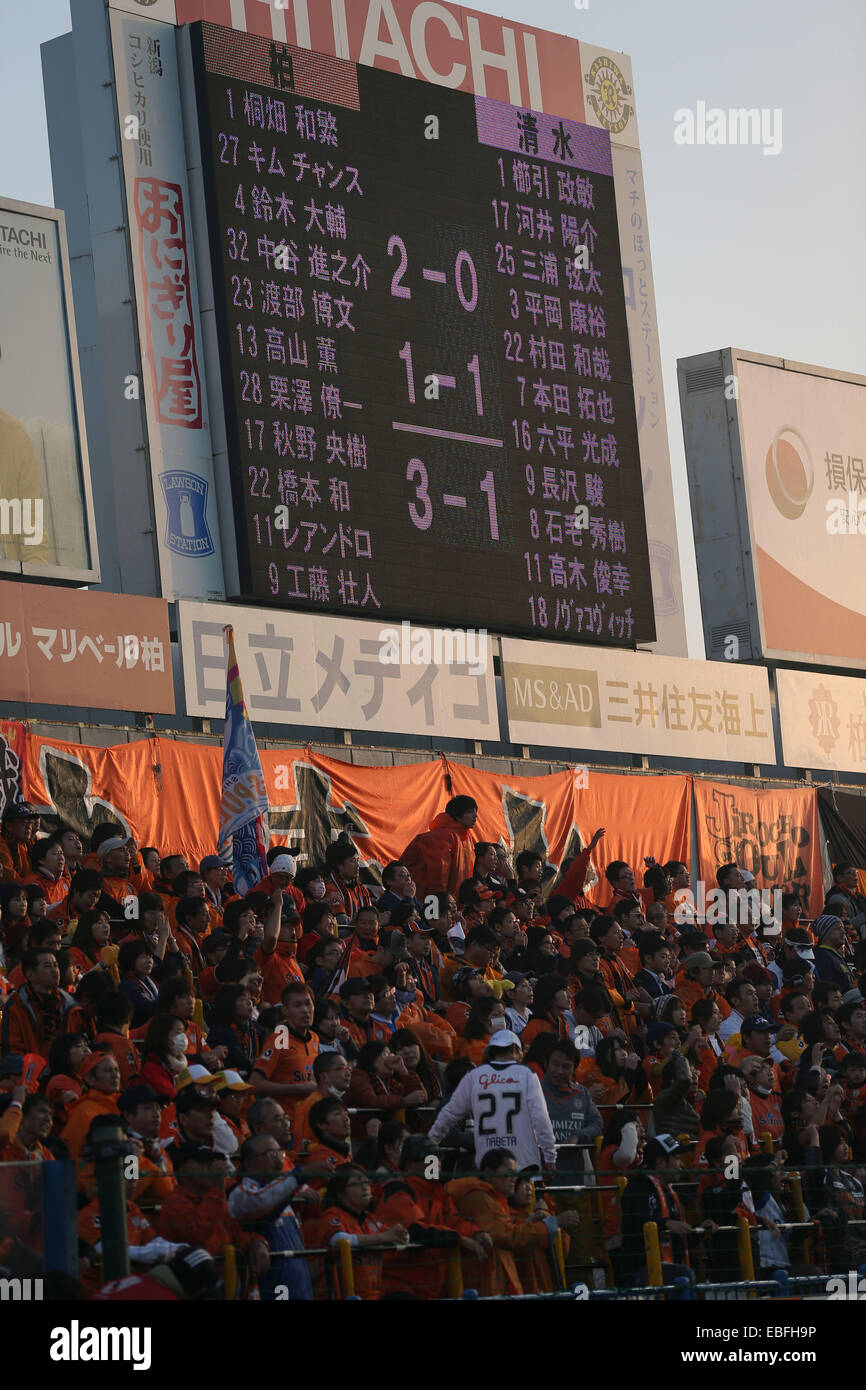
<point>196,1212</point>
<point>423,1205</point>
<point>102,1075</point>
<point>38,1012</point>
<point>20,824</point>
<point>441,858</point>
<point>483,1200</point>
<point>347,1216</point>
<point>20,1188</point>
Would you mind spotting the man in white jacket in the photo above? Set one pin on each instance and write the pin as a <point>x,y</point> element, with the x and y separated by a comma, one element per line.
<point>507,1106</point>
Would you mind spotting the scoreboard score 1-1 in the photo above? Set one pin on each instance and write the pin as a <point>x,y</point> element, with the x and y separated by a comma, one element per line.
<point>423,348</point>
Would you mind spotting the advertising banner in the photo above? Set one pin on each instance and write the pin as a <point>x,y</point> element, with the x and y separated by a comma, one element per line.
<point>631,702</point>
<point>340,673</point>
<point>804,460</point>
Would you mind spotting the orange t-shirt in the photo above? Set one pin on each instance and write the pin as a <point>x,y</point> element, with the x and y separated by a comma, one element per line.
<point>276,971</point>
<point>290,1065</point>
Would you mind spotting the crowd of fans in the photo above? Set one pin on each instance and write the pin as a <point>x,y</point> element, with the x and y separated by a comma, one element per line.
<point>471,1057</point>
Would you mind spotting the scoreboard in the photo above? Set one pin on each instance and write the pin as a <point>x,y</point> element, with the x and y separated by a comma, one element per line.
<point>423,348</point>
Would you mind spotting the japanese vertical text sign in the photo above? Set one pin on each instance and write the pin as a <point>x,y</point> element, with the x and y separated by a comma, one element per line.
<point>173,385</point>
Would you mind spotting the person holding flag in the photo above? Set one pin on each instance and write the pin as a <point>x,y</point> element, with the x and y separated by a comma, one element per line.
<point>244,800</point>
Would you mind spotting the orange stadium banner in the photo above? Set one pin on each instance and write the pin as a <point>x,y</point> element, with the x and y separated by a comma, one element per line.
<point>775,834</point>
<point>166,793</point>
<point>558,815</point>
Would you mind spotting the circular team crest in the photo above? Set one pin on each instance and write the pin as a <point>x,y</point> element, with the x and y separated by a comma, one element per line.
<point>607,90</point>
<point>145,2</point>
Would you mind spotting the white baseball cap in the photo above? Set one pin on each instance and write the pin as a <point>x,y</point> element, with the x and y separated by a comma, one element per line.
<point>504,1038</point>
<point>283,864</point>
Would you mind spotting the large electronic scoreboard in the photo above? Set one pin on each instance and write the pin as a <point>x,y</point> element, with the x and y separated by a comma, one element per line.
<point>423,346</point>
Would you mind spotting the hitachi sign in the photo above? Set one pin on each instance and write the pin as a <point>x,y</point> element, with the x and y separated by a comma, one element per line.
<point>22,236</point>
<point>440,43</point>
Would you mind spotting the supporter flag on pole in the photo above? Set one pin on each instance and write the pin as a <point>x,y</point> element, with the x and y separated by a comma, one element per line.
<point>244,801</point>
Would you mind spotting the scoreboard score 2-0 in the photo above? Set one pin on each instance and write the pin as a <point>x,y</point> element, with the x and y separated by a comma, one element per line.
<point>423,349</point>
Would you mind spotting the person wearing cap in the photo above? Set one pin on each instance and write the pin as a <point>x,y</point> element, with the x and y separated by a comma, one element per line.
<point>216,875</point>
<point>280,877</point>
<point>416,939</point>
<point>195,1115</point>
<point>233,1093</point>
<point>141,1110</point>
<point>101,1075</point>
<point>754,1037</point>
<point>506,1103</point>
<point>650,1196</point>
<point>830,963</point>
<point>117,882</point>
<point>796,948</point>
<point>38,1011</point>
<point>765,988</point>
<point>420,1201</point>
<point>20,824</point>
<point>260,1200</point>
<point>694,978</point>
<point>276,957</point>
<point>197,1210</point>
<point>285,1067</point>
<point>484,1201</point>
<point>764,1096</point>
<point>356,999</point>
<point>214,949</point>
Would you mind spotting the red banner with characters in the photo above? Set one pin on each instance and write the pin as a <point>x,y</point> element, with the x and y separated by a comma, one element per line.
<point>775,834</point>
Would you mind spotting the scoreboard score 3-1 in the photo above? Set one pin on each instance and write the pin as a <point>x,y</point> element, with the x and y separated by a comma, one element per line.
<point>423,348</point>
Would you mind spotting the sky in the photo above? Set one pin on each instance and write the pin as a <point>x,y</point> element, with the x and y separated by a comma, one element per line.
<point>760,252</point>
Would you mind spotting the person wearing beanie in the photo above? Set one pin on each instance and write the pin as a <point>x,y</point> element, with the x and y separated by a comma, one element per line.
<point>830,963</point>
